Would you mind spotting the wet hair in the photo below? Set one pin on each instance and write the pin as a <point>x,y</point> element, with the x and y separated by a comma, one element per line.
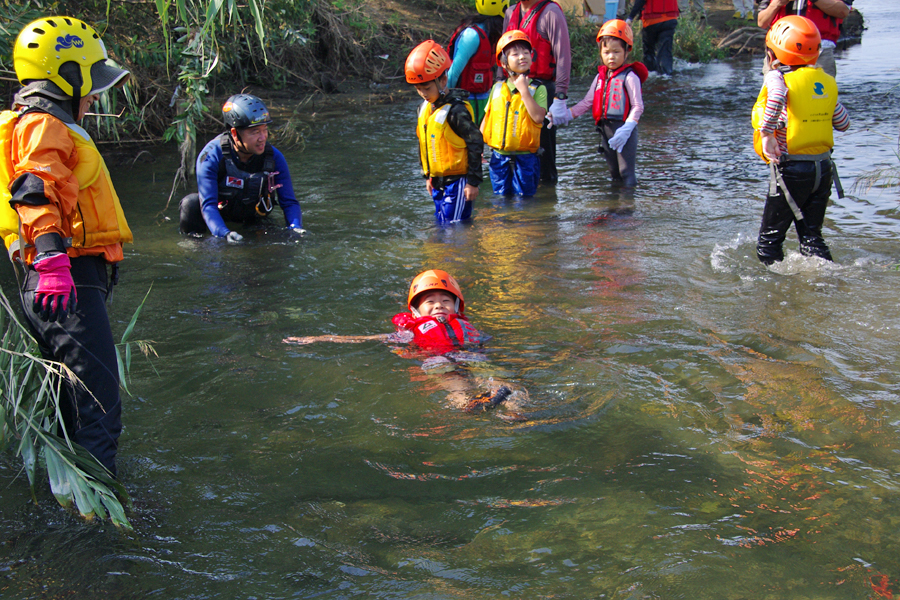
<point>606,39</point>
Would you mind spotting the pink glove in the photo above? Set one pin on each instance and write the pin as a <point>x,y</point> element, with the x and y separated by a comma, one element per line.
<point>54,298</point>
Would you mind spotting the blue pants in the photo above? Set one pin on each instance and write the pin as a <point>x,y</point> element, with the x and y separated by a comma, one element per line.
<point>517,174</point>
<point>450,202</point>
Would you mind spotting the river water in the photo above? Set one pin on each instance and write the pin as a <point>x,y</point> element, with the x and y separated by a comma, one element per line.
<point>697,426</point>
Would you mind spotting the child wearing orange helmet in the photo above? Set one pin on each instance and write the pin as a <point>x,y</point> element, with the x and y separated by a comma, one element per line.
<point>513,119</point>
<point>437,326</point>
<point>616,101</point>
<point>450,145</point>
<point>793,121</point>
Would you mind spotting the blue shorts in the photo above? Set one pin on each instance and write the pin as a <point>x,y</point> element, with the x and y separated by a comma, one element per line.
<point>517,174</point>
<point>450,202</point>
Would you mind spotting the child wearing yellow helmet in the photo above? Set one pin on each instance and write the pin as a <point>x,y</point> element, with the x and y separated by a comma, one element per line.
<point>616,101</point>
<point>436,326</point>
<point>471,46</point>
<point>69,217</point>
<point>793,118</point>
<point>450,145</point>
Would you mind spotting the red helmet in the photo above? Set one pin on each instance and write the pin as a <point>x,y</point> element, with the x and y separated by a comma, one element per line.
<point>433,281</point>
<point>795,40</point>
<point>426,62</point>
<point>513,35</point>
<point>617,28</point>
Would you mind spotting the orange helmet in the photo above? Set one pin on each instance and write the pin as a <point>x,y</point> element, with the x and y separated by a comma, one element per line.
<point>513,35</point>
<point>617,28</point>
<point>794,40</point>
<point>431,281</point>
<point>426,62</point>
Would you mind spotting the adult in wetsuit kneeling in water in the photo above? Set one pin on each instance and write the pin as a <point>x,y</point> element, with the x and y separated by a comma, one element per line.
<point>240,176</point>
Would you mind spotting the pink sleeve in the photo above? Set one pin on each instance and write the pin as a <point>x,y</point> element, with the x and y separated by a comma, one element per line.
<point>586,103</point>
<point>635,98</point>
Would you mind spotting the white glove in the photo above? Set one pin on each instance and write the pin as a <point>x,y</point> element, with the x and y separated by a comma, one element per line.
<point>233,237</point>
<point>298,230</point>
<point>553,121</point>
<point>618,141</point>
<point>560,113</point>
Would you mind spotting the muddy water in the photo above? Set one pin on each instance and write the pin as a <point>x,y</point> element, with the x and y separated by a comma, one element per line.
<point>697,426</point>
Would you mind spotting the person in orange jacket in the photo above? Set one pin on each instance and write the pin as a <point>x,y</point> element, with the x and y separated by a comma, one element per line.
<point>70,219</point>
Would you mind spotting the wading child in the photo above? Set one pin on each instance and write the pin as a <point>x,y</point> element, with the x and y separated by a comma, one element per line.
<point>436,325</point>
<point>513,120</point>
<point>793,119</point>
<point>616,101</point>
<point>450,145</point>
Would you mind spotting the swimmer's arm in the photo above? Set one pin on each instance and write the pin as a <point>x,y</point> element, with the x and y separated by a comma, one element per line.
<point>396,337</point>
<point>338,339</point>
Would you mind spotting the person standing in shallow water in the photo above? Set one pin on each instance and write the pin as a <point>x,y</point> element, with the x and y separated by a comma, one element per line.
<point>240,176</point>
<point>70,219</point>
<point>659,18</point>
<point>793,119</point>
<point>471,48</point>
<point>544,22</point>
<point>616,101</point>
<point>450,144</point>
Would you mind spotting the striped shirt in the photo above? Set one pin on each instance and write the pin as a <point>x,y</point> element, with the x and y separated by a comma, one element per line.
<point>776,115</point>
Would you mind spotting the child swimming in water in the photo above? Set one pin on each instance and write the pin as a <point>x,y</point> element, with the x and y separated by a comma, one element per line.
<point>437,326</point>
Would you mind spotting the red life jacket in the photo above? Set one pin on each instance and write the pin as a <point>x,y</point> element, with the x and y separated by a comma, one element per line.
<point>476,77</point>
<point>656,9</point>
<point>440,334</point>
<point>829,27</point>
<point>610,96</point>
<point>544,65</point>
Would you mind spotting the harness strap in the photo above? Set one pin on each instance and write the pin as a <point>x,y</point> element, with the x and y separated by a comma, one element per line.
<point>777,181</point>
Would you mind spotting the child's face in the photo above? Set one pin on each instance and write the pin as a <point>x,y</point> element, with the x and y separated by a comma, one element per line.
<point>434,304</point>
<point>431,90</point>
<point>518,58</point>
<point>612,53</point>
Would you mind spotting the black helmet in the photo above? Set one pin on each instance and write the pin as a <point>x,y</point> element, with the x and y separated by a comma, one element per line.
<point>243,110</point>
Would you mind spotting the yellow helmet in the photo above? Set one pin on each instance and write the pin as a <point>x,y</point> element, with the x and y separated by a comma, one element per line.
<point>492,8</point>
<point>45,48</point>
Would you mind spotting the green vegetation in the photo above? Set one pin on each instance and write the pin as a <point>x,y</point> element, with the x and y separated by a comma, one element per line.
<point>694,42</point>
<point>30,421</point>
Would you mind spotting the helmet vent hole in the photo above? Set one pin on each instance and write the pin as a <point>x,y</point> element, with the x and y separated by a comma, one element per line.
<point>34,45</point>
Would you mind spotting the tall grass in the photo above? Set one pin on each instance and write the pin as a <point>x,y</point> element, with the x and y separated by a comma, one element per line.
<point>694,42</point>
<point>30,421</point>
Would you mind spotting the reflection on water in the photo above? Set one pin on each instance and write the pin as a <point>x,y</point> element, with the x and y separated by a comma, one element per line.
<point>697,425</point>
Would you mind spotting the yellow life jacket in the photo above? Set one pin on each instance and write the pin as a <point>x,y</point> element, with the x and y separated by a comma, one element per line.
<point>441,151</point>
<point>507,124</point>
<point>811,98</point>
<point>9,218</point>
<point>97,219</point>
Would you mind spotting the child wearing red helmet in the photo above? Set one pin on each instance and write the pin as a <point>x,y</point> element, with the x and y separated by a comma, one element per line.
<point>437,326</point>
<point>616,101</point>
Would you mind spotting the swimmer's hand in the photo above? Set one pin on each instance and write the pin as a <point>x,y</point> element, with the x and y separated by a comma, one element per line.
<point>301,341</point>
